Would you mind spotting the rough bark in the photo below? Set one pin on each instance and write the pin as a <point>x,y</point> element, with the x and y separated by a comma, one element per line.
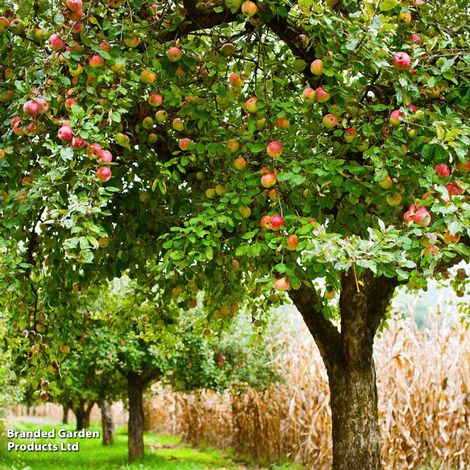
<point>107,423</point>
<point>348,357</point>
<point>135,389</point>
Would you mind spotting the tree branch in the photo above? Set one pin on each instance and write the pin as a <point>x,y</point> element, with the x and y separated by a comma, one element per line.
<point>325,334</point>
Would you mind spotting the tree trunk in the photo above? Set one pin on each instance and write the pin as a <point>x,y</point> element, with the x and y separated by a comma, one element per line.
<point>82,413</point>
<point>135,431</point>
<point>79,414</point>
<point>353,401</point>
<point>348,357</point>
<point>107,423</point>
<point>65,414</point>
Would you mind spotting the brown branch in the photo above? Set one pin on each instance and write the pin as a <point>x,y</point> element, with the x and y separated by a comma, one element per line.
<point>325,334</point>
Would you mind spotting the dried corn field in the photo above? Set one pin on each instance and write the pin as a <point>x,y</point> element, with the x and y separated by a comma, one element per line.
<point>424,402</point>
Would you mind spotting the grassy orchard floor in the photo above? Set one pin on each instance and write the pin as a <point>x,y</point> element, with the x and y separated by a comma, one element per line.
<point>162,452</point>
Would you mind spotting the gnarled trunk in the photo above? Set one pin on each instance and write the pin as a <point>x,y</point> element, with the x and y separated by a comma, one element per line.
<point>348,357</point>
<point>107,423</point>
<point>135,431</point>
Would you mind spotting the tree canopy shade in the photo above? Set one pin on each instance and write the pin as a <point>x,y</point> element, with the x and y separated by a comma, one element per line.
<point>232,147</point>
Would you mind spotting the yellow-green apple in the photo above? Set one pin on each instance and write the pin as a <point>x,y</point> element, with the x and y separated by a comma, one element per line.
<point>245,211</point>
<point>450,238</point>
<point>330,121</point>
<point>316,67</point>
<point>251,105</point>
<point>386,183</point>
<point>405,17</point>
<point>240,163</point>
<point>393,200</point>
<point>161,116</point>
<point>147,76</point>
<point>178,124</point>
<point>308,94</point>
<point>249,9</point>
<point>147,122</point>
<point>210,193</point>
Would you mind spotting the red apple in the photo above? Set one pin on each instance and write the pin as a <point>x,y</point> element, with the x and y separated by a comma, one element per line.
<point>416,39</point>
<point>105,46</point>
<point>395,117</point>
<point>74,5</point>
<point>454,189</point>
<point>69,102</point>
<point>292,242</point>
<point>401,61</point>
<point>96,62</point>
<point>174,54</point>
<point>105,156</point>
<point>104,173</point>
<point>422,217</point>
<point>65,133</point>
<point>155,99</point>
<point>55,42</point>
<point>282,284</point>
<point>235,80</point>
<point>442,170</point>
<point>184,143</point>
<point>274,149</point>
<point>78,142</point>
<point>277,221</point>
<point>43,105</point>
<point>268,180</point>
<point>31,108</point>
<point>321,95</point>
<point>413,108</point>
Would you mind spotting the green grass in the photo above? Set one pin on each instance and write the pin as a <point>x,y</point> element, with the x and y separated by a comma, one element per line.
<point>162,452</point>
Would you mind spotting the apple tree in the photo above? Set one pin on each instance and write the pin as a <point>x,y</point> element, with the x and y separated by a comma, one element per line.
<point>253,151</point>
